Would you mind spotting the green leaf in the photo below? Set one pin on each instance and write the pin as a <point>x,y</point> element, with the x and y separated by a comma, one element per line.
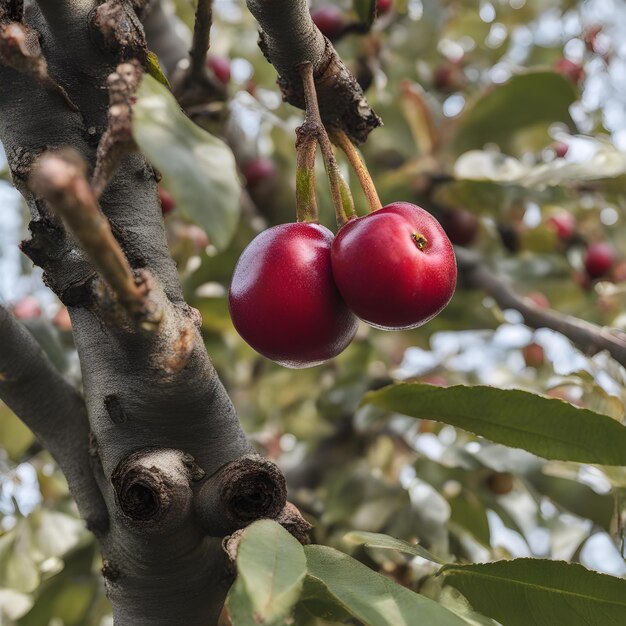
<point>53,533</point>
<point>270,571</point>
<point>198,168</point>
<point>547,427</point>
<point>370,597</point>
<point>16,438</point>
<point>385,542</point>
<point>526,100</point>
<point>154,69</point>
<point>606,162</point>
<point>540,592</point>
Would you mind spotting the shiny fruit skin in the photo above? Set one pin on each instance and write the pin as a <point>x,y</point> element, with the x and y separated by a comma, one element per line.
<point>599,259</point>
<point>384,276</point>
<point>330,20</point>
<point>283,299</point>
<point>220,68</point>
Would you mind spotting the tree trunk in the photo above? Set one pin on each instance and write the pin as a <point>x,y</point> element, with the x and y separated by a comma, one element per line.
<point>162,469</point>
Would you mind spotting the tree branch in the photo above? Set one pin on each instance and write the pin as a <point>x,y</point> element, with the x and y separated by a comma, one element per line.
<point>60,179</point>
<point>117,142</point>
<point>588,337</point>
<point>201,40</point>
<point>247,489</point>
<point>35,391</point>
<point>289,39</point>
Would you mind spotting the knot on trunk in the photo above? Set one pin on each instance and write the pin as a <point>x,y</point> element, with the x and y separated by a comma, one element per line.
<point>152,488</point>
<point>242,491</point>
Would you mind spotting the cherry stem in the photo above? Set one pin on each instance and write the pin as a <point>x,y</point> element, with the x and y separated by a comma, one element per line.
<point>359,167</point>
<point>306,204</point>
<point>311,131</point>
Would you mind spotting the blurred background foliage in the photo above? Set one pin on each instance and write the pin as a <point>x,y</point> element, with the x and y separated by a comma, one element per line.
<point>477,104</point>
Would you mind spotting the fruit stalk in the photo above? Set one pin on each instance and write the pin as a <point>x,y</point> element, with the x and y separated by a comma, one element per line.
<point>313,130</point>
<point>306,146</point>
<point>201,39</point>
<point>358,165</point>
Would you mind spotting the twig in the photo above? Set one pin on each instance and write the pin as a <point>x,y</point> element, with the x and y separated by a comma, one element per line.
<point>588,337</point>
<point>117,141</point>
<point>288,39</point>
<point>121,31</point>
<point>313,126</point>
<point>20,50</point>
<point>358,165</point>
<point>32,387</point>
<point>196,89</point>
<point>60,179</point>
<point>201,40</point>
<point>306,148</point>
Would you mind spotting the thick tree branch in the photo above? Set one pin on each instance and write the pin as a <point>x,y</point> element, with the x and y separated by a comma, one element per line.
<point>20,49</point>
<point>35,391</point>
<point>11,10</point>
<point>288,39</point>
<point>588,337</point>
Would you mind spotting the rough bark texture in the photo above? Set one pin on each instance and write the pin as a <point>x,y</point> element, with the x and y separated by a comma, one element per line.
<point>161,424</point>
<point>288,39</point>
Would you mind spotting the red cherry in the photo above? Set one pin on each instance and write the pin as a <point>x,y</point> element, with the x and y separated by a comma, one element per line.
<point>220,67</point>
<point>283,300</point>
<point>384,6</point>
<point>571,70</point>
<point>330,20</point>
<point>461,226</point>
<point>533,355</point>
<point>26,308</point>
<point>599,259</point>
<point>259,170</point>
<point>395,268</point>
<point>168,204</point>
<point>564,224</point>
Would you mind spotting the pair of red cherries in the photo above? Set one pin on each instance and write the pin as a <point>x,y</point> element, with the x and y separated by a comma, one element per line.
<point>297,290</point>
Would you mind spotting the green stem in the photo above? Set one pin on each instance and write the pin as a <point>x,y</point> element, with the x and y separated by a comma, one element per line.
<point>306,204</point>
<point>314,128</point>
<point>359,167</point>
